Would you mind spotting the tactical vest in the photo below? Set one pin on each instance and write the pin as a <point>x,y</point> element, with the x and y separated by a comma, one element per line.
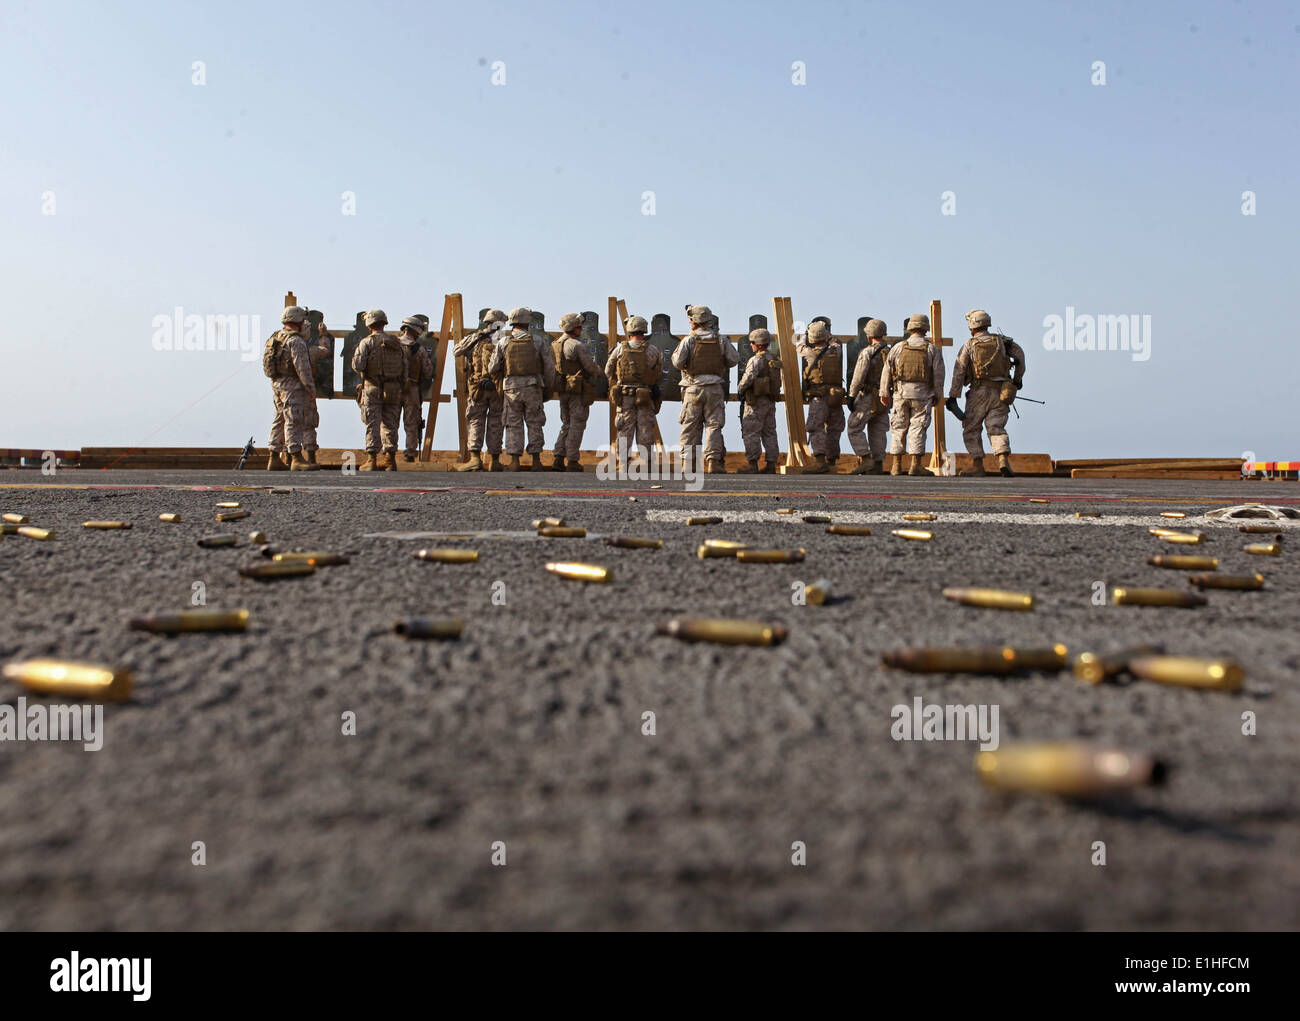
<point>633,366</point>
<point>277,362</point>
<point>480,357</point>
<point>913,365</point>
<point>706,357</point>
<point>415,364</point>
<point>825,370</point>
<point>767,381</point>
<point>385,364</point>
<point>875,366</point>
<point>988,358</point>
<point>564,365</point>
<point>521,356</point>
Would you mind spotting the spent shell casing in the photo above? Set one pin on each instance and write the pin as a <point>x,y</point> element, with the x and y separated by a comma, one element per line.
<point>79,680</point>
<point>785,510</point>
<point>847,530</point>
<point>236,515</point>
<point>209,541</point>
<point>281,490</point>
<point>1258,549</point>
<point>191,620</point>
<point>995,599</point>
<point>44,534</point>
<point>1184,538</point>
<point>704,521</point>
<point>318,558</point>
<point>171,519</point>
<point>448,556</point>
<point>818,593</point>
<point>1155,597</point>
<point>817,519</point>
<point>1172,514</point>
<point>770,556</point>
<point>707,552</point>
<point>920,517</point>
<point>1052,657</point>
<point>430,627</point>
<point>1095,667</point>
<point>274,571</point>
<point>1227,581</point>
<point>106,526</point>
<point>1070,768</point>
<point>632,542</point>
<point>1185,563</point>
<point>1087,514</point>
<point>730,544</point>
<point>1190,672</point>
<point>951,661</point>
<point>257,538</point>
<point>1260,529</point>
<point>1162,531</point>
<point>582,572</point>
<point>556,532</point>
<point>723,631</point>
<point>1036,500</point>
<point>915,534</point>
<point>549,523</point>
<point>228,504</point>
<point>16,519</point>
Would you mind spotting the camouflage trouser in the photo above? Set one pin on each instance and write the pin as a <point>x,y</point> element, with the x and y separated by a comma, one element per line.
<point>411,408</point>
<point>292,428</point>
<point>703,413</point>
<point>824,427</point>
<point>313,423</point>
<point>381,419</point>
<point>984,408</point>
<point>524,407</point>
<point>484,417</point>
<point>635,426</point>
<point>758,429</point>
<point>573,424</point>
<point>910,418</point>
<point>868,428</point>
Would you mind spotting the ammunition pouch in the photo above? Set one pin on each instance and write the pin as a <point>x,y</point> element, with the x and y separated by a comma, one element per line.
<point>644,398</point>
<point>835,397</point>
<point>574,383</point>
<point>762,386</point>
<point>1007,393</point>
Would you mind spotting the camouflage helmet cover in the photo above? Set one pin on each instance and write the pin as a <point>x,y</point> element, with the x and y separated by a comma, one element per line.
<point>874,328</point>
<point>376,317</point>
<point>294,314</point>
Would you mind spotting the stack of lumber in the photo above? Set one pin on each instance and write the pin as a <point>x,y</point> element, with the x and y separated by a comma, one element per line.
<point>1193,469</point>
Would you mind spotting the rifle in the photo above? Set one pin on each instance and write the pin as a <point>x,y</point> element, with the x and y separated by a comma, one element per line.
<point>1029,399</point>
<point>248,451</point>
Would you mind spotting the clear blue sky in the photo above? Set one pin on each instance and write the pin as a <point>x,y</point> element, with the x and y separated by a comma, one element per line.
<point>1117,199</point>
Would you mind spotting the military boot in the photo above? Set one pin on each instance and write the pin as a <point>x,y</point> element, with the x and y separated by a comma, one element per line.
<point>1004,466</point>
<point>371,465</point>
<point>557,462</point>
<point>474,464</point>
<point>510,462</point>
<point>976,470</point>
<point>408,455</point>
<point>310,455</point>
<point>769,468</point>
<point>527,466</point>
<point>897,467</point>
<point>714,466</point>
<point>916,468</point>
<point>274,464</point>
<point>751,468</point>
<point>861,467</point>
<point>390,461</point>
<point>818,467</point>
<point>574,465</point>
<point>494,463</point>
<point>299,463</point>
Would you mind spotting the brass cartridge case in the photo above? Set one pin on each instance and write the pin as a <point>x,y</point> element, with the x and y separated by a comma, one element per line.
<point>995,599</point>
<point>317,558</point>
<point>1184,538</point>
<point>1087,514</point>
<point>723,631</point>
<point>549,523</point>
<point>1095,667</point>
<point>16,519</point>
<point>274,571</point>
<point>817,519</point>
<point>191,620</point>
<point>444,628</point>
<point>920,517</point>
<point>1190,672</point>
<point>1053,658</point>
<point>106,526</point>
<point>78,680</point>
<point>228,504</point>
<point>1069,768</point>
<point>847,530</point>
<point>818,593</point>
<point>1185,563</point>
<point>211,541</point>
<point>632,542</point>
<point>44,534</point>
<point>951,661</point>
<point>448,556</point>
<point>1227,581</point>
<point>1155,597</point>
<point>171,519</point>
<point>1260,529</point>
<point>234,515</point>
<point>1258,549</point>
<point>257,538</point>
<point>704,521</point>
<point>558,532</point>
<point>582,572</point>
<point>915,534</point>
<point>770,556</point>
<point>1172,514</point>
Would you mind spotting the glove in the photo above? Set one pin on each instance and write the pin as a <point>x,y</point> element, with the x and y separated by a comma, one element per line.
<point>952,405</point>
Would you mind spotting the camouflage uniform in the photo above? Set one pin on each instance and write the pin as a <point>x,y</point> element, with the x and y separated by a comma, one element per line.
<point>286,360</point>
<point>912,399</point>
<point>869,420</point>
<point>824,376</point>
<point>315,352</point>
<point>988,362</point>
<point>483,409</point>
<point>635,422</point>
<point>704,359</point>
<point>576,376</point>
<point>758,415</point>
<point>420,373</point>
<point>383,364</point>
<point>524,387</point>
